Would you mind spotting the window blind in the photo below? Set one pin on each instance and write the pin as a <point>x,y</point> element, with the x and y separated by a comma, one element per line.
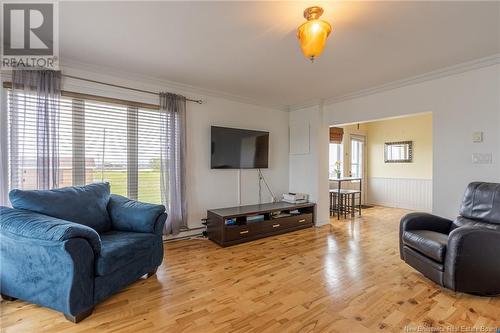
<point>98,141</point>
<point>106,145</point>
<point>336,134</point>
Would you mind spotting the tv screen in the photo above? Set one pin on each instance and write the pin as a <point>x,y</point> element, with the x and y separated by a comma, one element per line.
<point>234,148</point>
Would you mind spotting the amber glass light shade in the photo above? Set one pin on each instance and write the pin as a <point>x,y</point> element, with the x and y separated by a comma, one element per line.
<point>313,34</point>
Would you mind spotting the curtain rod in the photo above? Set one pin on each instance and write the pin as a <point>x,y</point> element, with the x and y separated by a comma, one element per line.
<point>198,101</point>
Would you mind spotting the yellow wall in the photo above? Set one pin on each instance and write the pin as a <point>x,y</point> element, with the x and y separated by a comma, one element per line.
<point>415,128</point>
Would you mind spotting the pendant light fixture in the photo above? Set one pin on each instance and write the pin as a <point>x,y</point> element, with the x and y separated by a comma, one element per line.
<point>313,33</point>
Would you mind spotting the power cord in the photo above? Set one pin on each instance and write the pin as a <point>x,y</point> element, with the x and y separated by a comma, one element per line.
<point>262,178</point>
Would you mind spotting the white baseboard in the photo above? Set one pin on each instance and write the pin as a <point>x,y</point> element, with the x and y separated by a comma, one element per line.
<point>321,223</point>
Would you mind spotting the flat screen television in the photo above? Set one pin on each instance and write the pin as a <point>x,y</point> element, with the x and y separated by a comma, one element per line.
<point>234,148</point>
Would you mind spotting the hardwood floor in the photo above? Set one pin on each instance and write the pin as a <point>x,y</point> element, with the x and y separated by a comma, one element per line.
<point>344,278</point>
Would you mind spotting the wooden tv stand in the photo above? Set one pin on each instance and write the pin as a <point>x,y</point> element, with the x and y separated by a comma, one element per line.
<point>245,230</point>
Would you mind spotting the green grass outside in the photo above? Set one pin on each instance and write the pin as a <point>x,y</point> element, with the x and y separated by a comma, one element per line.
<point>149,184</point>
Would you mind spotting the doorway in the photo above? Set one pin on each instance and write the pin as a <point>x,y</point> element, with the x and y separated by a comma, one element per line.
<point>371,151</point>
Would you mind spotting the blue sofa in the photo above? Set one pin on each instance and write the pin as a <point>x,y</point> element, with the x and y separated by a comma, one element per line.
<point>70,248</point>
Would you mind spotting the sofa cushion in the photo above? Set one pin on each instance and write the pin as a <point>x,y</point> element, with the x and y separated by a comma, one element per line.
<point>430,243</point>
<point>122,248</point>
<point>80,204</point>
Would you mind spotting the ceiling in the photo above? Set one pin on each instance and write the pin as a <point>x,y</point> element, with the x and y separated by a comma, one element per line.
<point>250,49</point>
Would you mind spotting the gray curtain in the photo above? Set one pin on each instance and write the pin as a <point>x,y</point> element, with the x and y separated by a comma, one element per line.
<point>173,160</point>
<point>4,153</point>
<point>35,94</point>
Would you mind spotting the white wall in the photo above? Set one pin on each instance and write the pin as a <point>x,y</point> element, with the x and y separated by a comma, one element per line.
<point>309,169</point>
<point>218,188</point>
<point>461,104</point>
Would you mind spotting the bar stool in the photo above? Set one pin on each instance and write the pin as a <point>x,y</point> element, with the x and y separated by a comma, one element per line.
<point>352,201</point>
<point>338,203</point>
<point>333,202</point>
<point>345,202</point>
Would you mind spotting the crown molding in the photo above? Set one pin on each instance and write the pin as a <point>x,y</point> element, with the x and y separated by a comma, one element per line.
<point>134,80</point>
<point>305,105</point>
<point>147,82</point>
<point>433,75</point>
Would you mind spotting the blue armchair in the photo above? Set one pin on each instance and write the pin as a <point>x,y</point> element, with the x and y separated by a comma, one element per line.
<point>70,248</point>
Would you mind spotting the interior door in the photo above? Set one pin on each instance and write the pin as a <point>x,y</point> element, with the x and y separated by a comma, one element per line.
<point>358,162</point>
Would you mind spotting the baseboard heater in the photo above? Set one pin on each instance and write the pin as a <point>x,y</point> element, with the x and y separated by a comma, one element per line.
<point>180,236</point>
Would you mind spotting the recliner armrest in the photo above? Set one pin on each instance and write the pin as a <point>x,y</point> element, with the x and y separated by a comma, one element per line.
<point>422,221</point>
<point>425,221</point>
<point>472,260</point>
<point>24,223</point>
<point>135,216</point>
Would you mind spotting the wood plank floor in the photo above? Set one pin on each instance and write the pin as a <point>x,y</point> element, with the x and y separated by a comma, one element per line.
<point>344,278</point>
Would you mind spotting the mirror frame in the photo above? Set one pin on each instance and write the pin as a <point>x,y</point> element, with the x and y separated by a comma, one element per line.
<point>410,152</point>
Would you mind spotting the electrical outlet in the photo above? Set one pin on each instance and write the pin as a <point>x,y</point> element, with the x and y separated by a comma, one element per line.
<point>482,158</point>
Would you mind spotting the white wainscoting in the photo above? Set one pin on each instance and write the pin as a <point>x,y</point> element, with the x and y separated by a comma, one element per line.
<point>414,194</point>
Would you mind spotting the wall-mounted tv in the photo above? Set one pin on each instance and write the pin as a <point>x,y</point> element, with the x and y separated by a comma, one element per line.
<point>234,148</point>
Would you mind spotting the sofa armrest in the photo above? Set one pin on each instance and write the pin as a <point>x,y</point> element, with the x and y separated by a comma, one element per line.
<point>422,221</point>
<point>52,273</point>
<point>31,225</point>
<point>472,261</point>
<point>135,216</point>
<point>160,223</point>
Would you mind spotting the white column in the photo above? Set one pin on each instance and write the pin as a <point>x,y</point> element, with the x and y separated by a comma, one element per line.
<point>309,158</point>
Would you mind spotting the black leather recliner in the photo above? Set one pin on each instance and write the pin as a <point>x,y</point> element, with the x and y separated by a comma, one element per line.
<point>464,254</point>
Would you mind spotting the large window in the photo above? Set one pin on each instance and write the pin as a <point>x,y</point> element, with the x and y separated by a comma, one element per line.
<point>149,156</point>
<point>336,160</point>
<point>98,141</point>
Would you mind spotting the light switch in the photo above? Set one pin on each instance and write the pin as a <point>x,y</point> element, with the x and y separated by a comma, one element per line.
<point>477,137</point>
<point>482,158</point>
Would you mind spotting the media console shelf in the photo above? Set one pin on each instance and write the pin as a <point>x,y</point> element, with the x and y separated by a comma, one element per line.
<point>234,225</point>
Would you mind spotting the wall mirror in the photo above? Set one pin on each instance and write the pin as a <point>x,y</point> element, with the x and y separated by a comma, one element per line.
<point>398,152</point>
